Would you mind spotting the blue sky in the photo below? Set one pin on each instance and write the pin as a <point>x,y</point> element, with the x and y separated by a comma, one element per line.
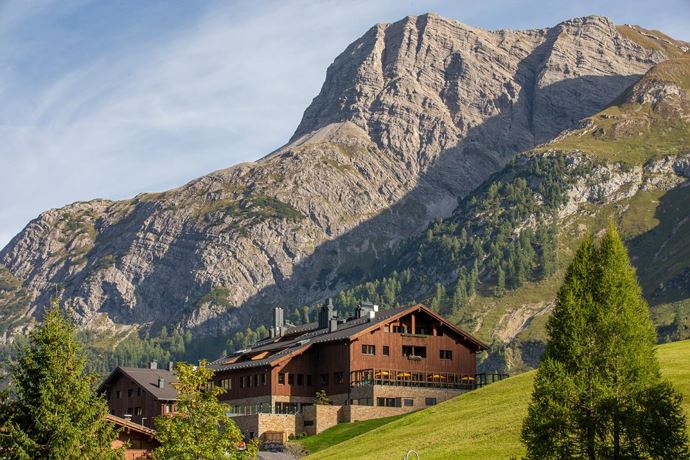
<point>110,98</point>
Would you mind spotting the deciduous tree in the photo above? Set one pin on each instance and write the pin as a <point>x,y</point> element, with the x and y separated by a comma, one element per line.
<point>199,429</point>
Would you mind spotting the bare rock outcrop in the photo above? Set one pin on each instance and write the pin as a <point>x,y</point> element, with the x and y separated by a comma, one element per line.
<point>412,116</point>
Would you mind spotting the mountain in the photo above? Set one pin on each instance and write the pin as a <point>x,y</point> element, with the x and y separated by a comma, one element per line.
<point>412,117</point>
<point>495,264</point>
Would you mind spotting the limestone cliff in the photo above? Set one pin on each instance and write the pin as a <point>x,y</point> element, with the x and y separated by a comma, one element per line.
<point>412,116</point>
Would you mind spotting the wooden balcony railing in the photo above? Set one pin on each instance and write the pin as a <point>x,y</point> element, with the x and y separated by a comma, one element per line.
<point>429,379</point>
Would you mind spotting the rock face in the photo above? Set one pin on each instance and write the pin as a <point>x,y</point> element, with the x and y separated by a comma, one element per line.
<point>411,117</point>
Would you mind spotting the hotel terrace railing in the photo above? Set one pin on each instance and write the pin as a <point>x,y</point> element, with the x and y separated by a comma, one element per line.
<point>422,379</point>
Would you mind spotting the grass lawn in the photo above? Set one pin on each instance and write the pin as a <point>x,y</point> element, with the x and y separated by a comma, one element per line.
<point>482,424</point>
<point>342,432</point>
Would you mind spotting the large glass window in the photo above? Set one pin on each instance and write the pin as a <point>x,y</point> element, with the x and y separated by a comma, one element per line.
<point>413,352</point>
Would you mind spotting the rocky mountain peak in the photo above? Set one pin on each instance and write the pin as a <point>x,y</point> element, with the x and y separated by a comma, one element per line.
<point>411,117</point>
<point>420,85</point>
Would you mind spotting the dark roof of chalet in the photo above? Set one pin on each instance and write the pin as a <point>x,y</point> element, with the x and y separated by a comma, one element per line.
<point>147,378</point>
<point>299,337</point>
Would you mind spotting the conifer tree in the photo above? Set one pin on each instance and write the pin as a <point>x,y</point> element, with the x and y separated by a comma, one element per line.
<point>52,410</point>
<point>500,288</point>
<point>598,392</point>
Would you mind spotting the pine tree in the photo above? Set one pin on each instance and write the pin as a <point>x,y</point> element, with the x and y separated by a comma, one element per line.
<point>439,297</point>
<point>598,392</point>
<point>500,288</point>
<point>199,429</point>
<point>53,411</point>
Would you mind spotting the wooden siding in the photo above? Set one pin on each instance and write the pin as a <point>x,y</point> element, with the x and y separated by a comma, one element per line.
<point>150,406</point>
<point>339,359</point>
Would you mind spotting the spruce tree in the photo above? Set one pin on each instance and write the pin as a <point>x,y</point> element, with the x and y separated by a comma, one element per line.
<point>598,392</point>
<point>53,411</point>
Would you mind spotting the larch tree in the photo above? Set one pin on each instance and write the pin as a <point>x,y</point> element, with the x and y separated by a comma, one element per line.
<point>52,410</point>
<point>598,391</point>
<point>200,428</point>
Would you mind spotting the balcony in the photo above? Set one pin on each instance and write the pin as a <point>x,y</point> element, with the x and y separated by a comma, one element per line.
<point>426,379</point>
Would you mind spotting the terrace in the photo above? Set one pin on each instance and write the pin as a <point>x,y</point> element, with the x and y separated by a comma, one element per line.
<point>428,379</point>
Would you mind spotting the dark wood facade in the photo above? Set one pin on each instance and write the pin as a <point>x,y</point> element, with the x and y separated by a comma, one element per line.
<point>135,394</point>
<point>413,340</point>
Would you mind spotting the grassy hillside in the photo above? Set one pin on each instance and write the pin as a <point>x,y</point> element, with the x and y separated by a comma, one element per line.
<point>481,424</point>
<point>342,432</point>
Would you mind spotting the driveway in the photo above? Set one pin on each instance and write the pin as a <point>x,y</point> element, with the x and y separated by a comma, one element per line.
<point>263,455</point>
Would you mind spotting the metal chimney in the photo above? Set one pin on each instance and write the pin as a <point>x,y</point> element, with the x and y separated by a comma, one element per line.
<point>153,365</point>
<point>326,313</point>
<point>171,366</point>
<point>161,382</point>
<point>278,321</point>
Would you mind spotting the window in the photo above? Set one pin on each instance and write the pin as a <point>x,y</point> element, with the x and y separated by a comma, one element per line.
<point>264,380</point>
<point>338,377</point>
<point>446,354</point>
<point>408,402</point>
<point>286,408</point>
<point>242,381</point>
<point>256,380</point>
<point>118,394</point>
<point>129,411</point>
<point>281,379</point>
<point>362,402</point>
<point>386,350</point>
<point>413,352</point>
<point>129,393</point>
<point>368,350</point>
<point>138,411</point>
<point>430,401</point>
<point>386,328</point>
<point>138,391</point>
<point>400,329</point>
<point>309,380</point>
<point>300,379</point>
<point>387,402</point>
<point>291,379</point>
<point>324,380</point>
<point>308,423</point>
<point>225,384</point>
<point>168,408</point>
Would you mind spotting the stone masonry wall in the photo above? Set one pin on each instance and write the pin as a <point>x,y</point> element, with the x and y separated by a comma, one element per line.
<point>322,416</point>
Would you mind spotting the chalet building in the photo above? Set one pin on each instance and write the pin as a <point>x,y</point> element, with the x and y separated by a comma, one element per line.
<point>139,441</point>
<point>376,364</point>
<point>140,394</point>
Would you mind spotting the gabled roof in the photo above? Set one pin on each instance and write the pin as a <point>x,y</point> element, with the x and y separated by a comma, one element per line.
<point>299,339</point>
<point>148,379</point>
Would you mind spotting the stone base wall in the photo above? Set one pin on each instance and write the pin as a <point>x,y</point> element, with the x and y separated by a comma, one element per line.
<point>359,413</point>
<point>256,425</point>
<point>418,395</point>
<point>318,418</point>
<point>321,417</point>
